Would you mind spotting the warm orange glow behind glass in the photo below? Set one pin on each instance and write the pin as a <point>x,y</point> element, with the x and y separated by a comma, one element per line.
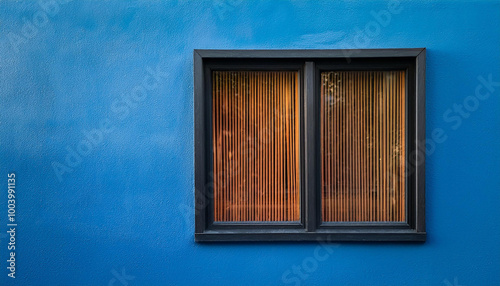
<point>363,146</point>
<point>256,146</point>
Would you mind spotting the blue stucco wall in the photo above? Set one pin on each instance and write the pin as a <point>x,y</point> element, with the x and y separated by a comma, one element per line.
<point>119,75</point>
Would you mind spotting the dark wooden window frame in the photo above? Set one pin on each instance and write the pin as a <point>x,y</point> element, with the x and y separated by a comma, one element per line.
<point>309,64</point>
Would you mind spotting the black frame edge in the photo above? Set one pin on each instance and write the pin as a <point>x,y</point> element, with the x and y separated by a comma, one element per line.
<point>199,144</point>
<point>309,54</point>
<point>420,120</point>
<point>310,145</point>
<point>312,236</point>
<point>203,233</point>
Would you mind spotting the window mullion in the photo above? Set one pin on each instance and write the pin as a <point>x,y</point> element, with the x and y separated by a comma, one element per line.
<point>311,135</point>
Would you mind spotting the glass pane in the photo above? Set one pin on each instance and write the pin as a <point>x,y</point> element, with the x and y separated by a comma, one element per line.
<point>256,146</point>
<point>363,146</point>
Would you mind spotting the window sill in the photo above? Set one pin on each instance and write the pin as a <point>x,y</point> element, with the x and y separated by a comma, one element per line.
<point>364,235</point>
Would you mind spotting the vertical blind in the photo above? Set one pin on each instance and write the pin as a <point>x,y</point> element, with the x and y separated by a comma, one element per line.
<point>256,146</point>
<point>255,119</point>
<point>363,146</point>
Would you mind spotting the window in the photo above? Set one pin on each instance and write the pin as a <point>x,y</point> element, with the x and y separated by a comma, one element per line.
<point>297,145</point>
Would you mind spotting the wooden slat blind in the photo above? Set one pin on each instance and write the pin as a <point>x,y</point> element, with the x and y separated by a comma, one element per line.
<point>256,146</point>
<point>363,146</point>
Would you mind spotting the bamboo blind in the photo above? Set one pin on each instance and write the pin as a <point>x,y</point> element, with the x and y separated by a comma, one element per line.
<point>363,146</point>
<point>255,146</point>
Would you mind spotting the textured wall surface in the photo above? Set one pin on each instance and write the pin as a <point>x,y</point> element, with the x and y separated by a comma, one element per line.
<point>96,120</point>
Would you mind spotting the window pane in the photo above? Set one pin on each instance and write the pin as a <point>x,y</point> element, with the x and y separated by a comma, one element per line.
<point>363,146</point>
<point>256,146</point>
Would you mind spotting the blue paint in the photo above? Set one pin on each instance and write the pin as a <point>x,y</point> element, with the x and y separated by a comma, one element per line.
<point>127,206</point>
